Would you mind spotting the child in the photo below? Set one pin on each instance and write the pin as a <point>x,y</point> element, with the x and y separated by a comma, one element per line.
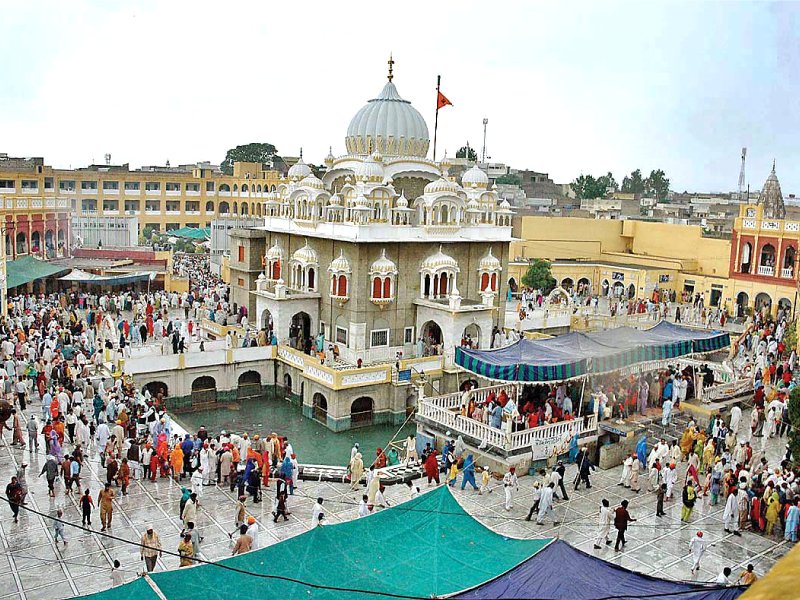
<point>660,494</point>
<point>86,508</point>
<point>486,477</point>
<point>116,575</point>
<point>58,528</point>
<point>280,509</point>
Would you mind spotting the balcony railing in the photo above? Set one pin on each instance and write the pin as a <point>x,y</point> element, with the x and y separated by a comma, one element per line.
<point>30,190</point>
<point>111,192</point>
<point>766,271</point>
<point>89,191</point>
<point>133,192</point>
<point>192,192</point>
<point>787,273</point>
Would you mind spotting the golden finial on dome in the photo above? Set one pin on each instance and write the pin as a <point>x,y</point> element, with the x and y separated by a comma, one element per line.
<point>391,64</point>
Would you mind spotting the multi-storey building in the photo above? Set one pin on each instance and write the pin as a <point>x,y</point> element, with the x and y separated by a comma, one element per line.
<point>39,199</point>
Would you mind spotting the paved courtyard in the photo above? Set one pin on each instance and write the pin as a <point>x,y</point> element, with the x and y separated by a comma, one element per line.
<point>31,566</point>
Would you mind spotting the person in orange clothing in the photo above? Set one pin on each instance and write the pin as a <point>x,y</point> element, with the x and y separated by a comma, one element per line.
<point>58,427</point>
<point>176,461</point>
<point>55,407</point>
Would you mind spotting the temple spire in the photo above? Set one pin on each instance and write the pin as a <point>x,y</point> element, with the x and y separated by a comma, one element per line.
<point>391,65</point>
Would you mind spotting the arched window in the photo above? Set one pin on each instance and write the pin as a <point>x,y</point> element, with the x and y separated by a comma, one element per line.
<point>236,208</point>
<point>224,188</point>
<point>244,188</point>
<point>276,270</point>
<point>387,287</point>
<point>210,206</point>
<point>494,282</point>
<point>376,288</point>
<point>443,284</point>
<point>484,281</point>
<point>235,187</point>
<point>310,281</point>
<point>342,288</point>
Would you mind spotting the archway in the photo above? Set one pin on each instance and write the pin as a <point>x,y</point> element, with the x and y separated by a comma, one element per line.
<point>512,283</point>
<point>567,283</point>
<point>785,305</point>
<point>320,408</point>
<point>631,292</point>
<point>741,304</point>
<point>22,243</point>
<point>299,329</point>
<point>204,391</point>
<point>249,385</point>
<point>36,242</point>
<point>763,302</point>
<point>469,384</point>
<point>155,388</point>
<point>788,262</point>
<point>361,412</point>
<point>432,338</point>
<point>584,286</point>
<point>766,264</point>
<point>604,287</point>
<point>266,322</point>
<point>746,257</point>
<point>472,336</point>
<point>287,383</point>
<point>619,289</point>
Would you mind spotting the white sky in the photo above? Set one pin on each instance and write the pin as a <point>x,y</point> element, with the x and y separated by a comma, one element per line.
<point>568,87</point>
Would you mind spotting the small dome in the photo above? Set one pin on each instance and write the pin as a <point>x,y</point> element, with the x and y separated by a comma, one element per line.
<point>505,206</point>
<point>330,158</point>
<point>305,255</point>
<point>340,264</point>
<point>442,185</point>
<point>475,176</point>
<point>438,261</point>
<point>401,201</point>
<point>361,202</point>
<point>489,262</point>
<point>473,206</point>
<point>335,200</point>
<point>383,266</point>
<point>371,168</point>
<point>275,252</point>
<point>299,169</point>
<point>312,181</point>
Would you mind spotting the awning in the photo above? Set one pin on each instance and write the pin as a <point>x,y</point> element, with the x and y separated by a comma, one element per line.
<point>579,354</point>
<point>27,269</point>
<point>79,276</point>
<point>191,233</point>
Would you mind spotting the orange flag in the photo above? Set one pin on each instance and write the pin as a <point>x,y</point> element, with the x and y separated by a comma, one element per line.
<point>442,101</point>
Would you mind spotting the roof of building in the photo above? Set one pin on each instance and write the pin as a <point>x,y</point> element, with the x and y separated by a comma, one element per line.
<point>27,269</point>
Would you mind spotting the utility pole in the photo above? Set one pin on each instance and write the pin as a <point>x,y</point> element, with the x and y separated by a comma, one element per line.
<point>741,175</point>
<point>483,151</point>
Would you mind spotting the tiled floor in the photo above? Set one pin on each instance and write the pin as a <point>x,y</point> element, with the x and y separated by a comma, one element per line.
<point>31,566</point>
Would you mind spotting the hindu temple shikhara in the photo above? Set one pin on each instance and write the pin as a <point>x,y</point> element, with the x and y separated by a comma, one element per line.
<point>387,256</point>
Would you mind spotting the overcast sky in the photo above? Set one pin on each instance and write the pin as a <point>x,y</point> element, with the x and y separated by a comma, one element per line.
<point>567,87</point>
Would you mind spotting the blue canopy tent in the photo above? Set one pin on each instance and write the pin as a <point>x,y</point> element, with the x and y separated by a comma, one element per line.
<point>580,354</point>
<point>561,571</point>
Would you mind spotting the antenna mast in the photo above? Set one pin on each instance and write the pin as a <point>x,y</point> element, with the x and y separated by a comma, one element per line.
<point>483,150</point>
<point>741,175</point>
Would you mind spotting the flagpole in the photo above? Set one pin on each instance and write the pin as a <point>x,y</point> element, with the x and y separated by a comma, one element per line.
<point>436,119</point>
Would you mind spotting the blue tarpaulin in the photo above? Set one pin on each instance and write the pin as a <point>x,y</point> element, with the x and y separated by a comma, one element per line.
<point>579,354</point>
<point>561,571</point>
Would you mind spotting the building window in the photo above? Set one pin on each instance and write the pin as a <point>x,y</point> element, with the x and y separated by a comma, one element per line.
<point>209,186</point>
<point>192,187</point>
<point>48,183</point>
<point>65,185</point>
<point>173,187</point>
<point>30,184</point>
<point>110,185</point>
<point>379,338</point>
<point>241,253</point>
<point>241,281</point>
<point>132,186</point>
<point>408,335</point>
<point>341,335</point>
<point>152,186</point>
<point>88,185</point>
<point>8,184</point>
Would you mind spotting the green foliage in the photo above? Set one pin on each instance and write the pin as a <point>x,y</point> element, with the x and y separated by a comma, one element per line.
<point>794,421</point>
<point>589,187</point>
<point>510,179</point>
<point>254,152</point>
<point>467,152</point>
<point>633,184</point>
<point>538,276</point>
<point>790,335</point>
<point>656,185</point>
<point>147,232</point>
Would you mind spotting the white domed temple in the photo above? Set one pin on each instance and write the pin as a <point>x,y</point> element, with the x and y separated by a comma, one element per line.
<point>386,257</point>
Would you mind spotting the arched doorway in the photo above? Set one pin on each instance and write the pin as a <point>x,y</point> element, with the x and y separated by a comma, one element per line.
<point>432,338</point>
<point>512,283</point>
<point>763,303</point>
<point>584,286</point>
<point>746,257</point>
<point>567,283</point>
<point>156,388</point>
<point>472,336</point>
<point>619,289</point>
<point>361,412</point>
<point>299,329</point>
<point>785,305</point>
<point>249,385</point>
<point>287,383</point>
<point>469,384</point>
<point>266,322</point>
<point>204,391</point>
<point>22,243</point>
<point>766,264</point>
<point>604,287</point>
<point>631,292</point>
<point>36,242</point>
<point>788,262</point>
<point>742,300</point>
<point>320,408</point>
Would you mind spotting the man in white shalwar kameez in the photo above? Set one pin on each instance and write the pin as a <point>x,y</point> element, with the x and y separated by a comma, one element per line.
<point>697,546</point>
<point>545,503</point>
<point>509,485</point>
<point>625,479</point>
<point>731,515</point>
<point>605,526</point>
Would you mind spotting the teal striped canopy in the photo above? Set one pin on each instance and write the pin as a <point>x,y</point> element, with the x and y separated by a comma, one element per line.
<point>578,354</point>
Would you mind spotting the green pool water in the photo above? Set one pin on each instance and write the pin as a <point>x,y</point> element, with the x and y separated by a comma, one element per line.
<point>313,442</point>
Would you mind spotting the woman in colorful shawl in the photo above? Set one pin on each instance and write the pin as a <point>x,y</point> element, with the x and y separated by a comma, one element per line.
<point>55,447</point>
<point>287,470</point>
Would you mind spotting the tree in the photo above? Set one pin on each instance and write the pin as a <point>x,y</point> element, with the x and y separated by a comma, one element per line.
<point>147,232</point>
<point>467,152</point>
<point>538,276</point>
<point>588,186</point>
<point>633,184</point>
<point>657,185</point>
<point>794,422</point>
<point>610,183</point>
<point>254,152</point>
<point>509,179</point>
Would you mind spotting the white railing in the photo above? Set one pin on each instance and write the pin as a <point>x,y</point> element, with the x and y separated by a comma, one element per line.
<point>479,395</point>
<point>111,192</point>
<point>133,192</point>
<point>192,192</point>
<point>787,273</point>
<point>153,192</point>
<point>30,190</point>
<point>173,192</point>
<point>89,191</point>
<point>456,424</point>
<point>766,270</point>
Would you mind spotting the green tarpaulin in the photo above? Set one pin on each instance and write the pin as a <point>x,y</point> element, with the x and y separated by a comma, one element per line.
<point>27,269</point>
<point>425,547</point>
<point>192,233</point>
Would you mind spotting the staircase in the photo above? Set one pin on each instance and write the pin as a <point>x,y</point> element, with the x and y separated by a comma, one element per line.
<point>654,430</point>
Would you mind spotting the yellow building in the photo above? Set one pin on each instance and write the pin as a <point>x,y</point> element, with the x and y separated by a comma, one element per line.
<point>163,198</point>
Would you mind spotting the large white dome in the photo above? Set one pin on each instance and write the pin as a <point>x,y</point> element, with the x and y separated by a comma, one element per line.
<point>389,125</point>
